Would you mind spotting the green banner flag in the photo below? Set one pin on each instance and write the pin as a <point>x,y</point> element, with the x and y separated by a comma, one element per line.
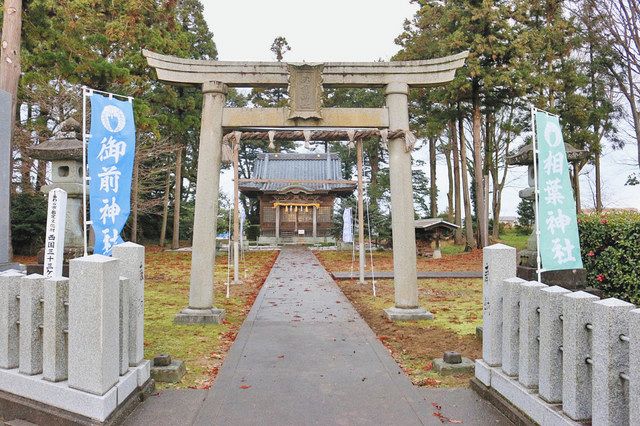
<point>559,243</point>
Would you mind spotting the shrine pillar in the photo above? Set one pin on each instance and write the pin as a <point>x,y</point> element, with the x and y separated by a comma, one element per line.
<point>315,222</point>
<point>201,308</point>
<point>277,224</point>
<point>402,212</point>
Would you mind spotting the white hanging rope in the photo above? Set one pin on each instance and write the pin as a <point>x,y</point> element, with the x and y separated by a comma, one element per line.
<point>373,277</point>
<point>228,257</point>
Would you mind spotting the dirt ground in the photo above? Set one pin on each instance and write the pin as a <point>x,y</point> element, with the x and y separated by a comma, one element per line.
<point>341,261</point>
<point>455,303</point>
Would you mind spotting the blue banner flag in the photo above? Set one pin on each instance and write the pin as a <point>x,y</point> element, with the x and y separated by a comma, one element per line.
<point>559,244</point>
<point>110,156</point>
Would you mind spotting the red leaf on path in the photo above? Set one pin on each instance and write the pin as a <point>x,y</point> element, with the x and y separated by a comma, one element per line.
<point>245,386</point>
<point>383,338</point>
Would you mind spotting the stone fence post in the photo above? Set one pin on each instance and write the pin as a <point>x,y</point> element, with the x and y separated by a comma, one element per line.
<point>31,318</point>
<point>529,350</point>
<point>56,321</point>
<point>551,345</point>
<point>94,299</point>
<point>9,318</point>
<point>634,367</point>
<point>131,257</point>
<point>499,264</point>
<point>577,315</point>
<point>610,357</point>
<point>511,325</point>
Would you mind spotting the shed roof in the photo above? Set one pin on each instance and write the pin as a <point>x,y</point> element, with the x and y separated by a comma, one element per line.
<point>294,166</point>
<point>434,223</point>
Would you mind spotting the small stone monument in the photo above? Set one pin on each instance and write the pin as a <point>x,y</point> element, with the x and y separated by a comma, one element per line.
<point>453,363</point>
<point>527,258</point>
<point>167,370</point>
<point>64,151</point>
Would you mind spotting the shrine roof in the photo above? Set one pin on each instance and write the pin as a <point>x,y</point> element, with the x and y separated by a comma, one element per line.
<point>294,166</point>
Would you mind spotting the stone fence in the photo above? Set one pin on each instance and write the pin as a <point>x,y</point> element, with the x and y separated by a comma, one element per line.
<point>560,357</point>
<point>76,343</point>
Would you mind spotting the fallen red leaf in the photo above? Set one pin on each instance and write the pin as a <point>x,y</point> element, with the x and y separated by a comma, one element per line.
<point>245,386</point>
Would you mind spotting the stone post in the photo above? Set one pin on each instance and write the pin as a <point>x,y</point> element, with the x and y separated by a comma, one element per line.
<point>499,264</point>
<point>94,299</point>
<point>510,325</point>
<point>9,317</point>
<point>131,258</point>
<point>5,176</point>
<point>315,222</point>
<point>402,226</point>
<point>577,312</point>
<point>200,308</point>
<point>634,367</point>
<point>529,350</point>
<point>550,366</point>
<point>56,321</point>
<point>31,317</point>
<point>277,224</point>
<point>610,357</point>
<point>123,326</point>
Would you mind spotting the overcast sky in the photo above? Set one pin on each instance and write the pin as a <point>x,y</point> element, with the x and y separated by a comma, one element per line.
<point>364,30</point>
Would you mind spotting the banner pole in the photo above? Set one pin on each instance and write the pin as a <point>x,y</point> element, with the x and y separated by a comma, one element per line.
<point>84,168</point>
<point>536,191</point>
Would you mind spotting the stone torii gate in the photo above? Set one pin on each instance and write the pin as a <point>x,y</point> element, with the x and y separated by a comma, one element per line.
<point>305,83</point>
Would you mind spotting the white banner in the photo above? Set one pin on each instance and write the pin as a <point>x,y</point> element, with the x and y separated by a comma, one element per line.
<point>347,227</point>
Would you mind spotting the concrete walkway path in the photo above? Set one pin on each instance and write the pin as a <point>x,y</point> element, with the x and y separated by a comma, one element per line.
<point>305,356</point>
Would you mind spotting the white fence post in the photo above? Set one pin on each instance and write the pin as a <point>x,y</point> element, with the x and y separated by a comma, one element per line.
<point>56,295</point>
<point>131,257</point>
<point>499,264</point>
<point>634,367</point>
<point>510,325</point>
<point>94,299</point>
<point>610,357</point>
<point>31,316</point>
<point>529,350</point>
<point>550,367</point>
<point>577,313</point>
<point>9,317</point>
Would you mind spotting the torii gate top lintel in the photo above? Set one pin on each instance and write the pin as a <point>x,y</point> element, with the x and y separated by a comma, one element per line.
<point>423,73</point>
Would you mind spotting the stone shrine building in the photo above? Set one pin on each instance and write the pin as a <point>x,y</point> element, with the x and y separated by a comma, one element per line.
<point>296,193</point>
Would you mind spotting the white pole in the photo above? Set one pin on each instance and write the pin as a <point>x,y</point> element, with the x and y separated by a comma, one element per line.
<point>373,278</point>
<point>84,168</point>
<point>228,258</point>
<point>536,189</point>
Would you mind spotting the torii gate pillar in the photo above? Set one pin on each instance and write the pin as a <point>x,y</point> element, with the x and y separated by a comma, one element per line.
<point>200,309</point>
<point>405,271</point>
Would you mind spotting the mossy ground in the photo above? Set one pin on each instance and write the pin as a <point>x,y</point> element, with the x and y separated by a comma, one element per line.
<point>202,347</point>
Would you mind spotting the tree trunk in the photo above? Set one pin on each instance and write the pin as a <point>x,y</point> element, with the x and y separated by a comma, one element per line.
<point>177,198</point>
<point>165,209</point>
<point>447,156</point>
<point>456,181</point>
<point>596,161</point>
<point>10,50</point>
<point>468,218</point>
<point>134,201</point>
<point>477,159</point>
<point>576,186</point>
<point>433,192</point>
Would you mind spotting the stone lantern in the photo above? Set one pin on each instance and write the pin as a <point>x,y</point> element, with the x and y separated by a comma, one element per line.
<point>527,258</point>
<point>64,151</point>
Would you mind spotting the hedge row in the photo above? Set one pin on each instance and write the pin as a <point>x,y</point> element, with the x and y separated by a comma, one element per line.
<point>610,244</point>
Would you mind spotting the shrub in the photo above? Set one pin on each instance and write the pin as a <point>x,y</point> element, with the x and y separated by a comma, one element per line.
<point>28,223</point>
<point>253,232</point>
<point>610,244</point>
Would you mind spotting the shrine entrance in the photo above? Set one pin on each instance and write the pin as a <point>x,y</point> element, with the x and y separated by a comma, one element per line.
<point>303,120</point>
